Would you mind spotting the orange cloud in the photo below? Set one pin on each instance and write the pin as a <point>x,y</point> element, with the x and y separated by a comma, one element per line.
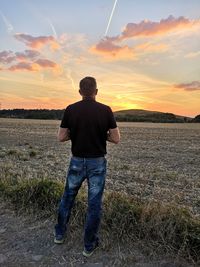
<point>193,86</point>
<point>148,47</point>
<point>37,42</point>
<point>112,51</point>
<point>148,28</point>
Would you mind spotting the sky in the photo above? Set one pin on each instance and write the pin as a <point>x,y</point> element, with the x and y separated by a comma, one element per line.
<point>144,54</point>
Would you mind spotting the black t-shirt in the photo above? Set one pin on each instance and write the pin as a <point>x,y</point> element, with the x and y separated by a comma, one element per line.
<point>88,122</point>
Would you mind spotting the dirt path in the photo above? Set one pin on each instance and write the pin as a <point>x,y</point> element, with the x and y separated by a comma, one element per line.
<point>26,241</point>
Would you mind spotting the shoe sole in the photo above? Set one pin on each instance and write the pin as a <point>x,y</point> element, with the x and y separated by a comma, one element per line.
<point>58,241</point>
<point>85,254</point>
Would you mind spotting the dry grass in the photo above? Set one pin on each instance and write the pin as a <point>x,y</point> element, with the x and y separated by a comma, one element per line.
<point>171,228</point>
<point>152,179</point>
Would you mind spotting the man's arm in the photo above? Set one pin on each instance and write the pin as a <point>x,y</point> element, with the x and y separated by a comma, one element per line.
<point>113,135</point>
<point>63,134</point>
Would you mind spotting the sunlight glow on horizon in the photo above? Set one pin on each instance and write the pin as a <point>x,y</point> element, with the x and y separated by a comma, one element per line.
<point>149,63</point>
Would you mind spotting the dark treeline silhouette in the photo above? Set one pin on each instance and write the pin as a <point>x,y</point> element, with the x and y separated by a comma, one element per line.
<point>43,114</point>
<point>127,116</point>
<point>196,119</point>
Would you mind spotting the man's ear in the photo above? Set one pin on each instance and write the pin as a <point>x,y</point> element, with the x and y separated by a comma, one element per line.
<point>96,91</point>
<point>80,92</point>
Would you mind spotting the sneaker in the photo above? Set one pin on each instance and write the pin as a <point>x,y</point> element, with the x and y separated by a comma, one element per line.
<point>59,239</point>
<point>88,253</point>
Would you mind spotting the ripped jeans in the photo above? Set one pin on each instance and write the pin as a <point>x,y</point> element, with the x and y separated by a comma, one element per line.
<point>94,170</point>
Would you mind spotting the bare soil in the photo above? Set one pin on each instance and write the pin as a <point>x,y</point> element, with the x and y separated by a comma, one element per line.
<point>28,241</point>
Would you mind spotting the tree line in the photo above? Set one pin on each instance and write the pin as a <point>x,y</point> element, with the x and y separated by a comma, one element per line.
<point>56,114</point>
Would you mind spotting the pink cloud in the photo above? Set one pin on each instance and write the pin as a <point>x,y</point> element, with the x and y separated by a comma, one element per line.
<point>34,66</point>
<point>6,57</point>
<point>193,86</point>
<point>27,54</point>
<point>22,66</point>
<point>37,42</point>
<point>45,63</point>
<point>148,28</point>
<point>111,47</point>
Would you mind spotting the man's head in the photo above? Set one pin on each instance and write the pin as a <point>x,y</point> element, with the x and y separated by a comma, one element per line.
<point>88,87</point>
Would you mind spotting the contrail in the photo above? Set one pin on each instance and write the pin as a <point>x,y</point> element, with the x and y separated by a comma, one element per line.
<point>53,29</point>
<point>106,32</point>
<point>9,26</point>
<point>71,79</point>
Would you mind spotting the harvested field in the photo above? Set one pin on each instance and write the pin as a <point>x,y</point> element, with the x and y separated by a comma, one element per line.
<point>152,162</point>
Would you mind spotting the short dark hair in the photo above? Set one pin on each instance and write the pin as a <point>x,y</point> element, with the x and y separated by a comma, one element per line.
<point>88,86</point>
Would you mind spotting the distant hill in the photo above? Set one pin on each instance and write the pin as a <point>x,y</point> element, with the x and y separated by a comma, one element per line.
<point>196,119</point>
<point>134,115</point>
<point>142,115</point>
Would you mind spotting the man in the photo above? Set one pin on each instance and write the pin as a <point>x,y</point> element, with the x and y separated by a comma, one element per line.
<point>88,124</point>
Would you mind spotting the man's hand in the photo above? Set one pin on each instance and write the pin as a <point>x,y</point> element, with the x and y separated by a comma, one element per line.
<point>113,135</point>
<point>63,134</point>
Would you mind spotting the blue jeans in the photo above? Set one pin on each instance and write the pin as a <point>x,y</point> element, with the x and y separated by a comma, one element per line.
<point>94,170</point>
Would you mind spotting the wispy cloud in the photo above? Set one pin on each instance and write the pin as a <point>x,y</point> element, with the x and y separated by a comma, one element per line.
<point>150,47</point>
<point>7,23</point>
<point>193,54</point>
<point>193,86</point>
<point>37,42</point>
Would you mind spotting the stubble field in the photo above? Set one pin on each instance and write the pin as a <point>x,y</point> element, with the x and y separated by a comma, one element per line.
<point>152,163</point>
<point>158,162</point>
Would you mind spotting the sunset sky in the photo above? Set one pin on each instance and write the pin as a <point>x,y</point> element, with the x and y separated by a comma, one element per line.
<point>148,57</point>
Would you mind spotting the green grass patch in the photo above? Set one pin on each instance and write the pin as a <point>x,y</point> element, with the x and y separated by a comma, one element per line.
<point>124,218</point>
<point>33,194</point>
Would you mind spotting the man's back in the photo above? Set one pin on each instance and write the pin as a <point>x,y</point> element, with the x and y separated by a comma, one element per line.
<point>88,122</point>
